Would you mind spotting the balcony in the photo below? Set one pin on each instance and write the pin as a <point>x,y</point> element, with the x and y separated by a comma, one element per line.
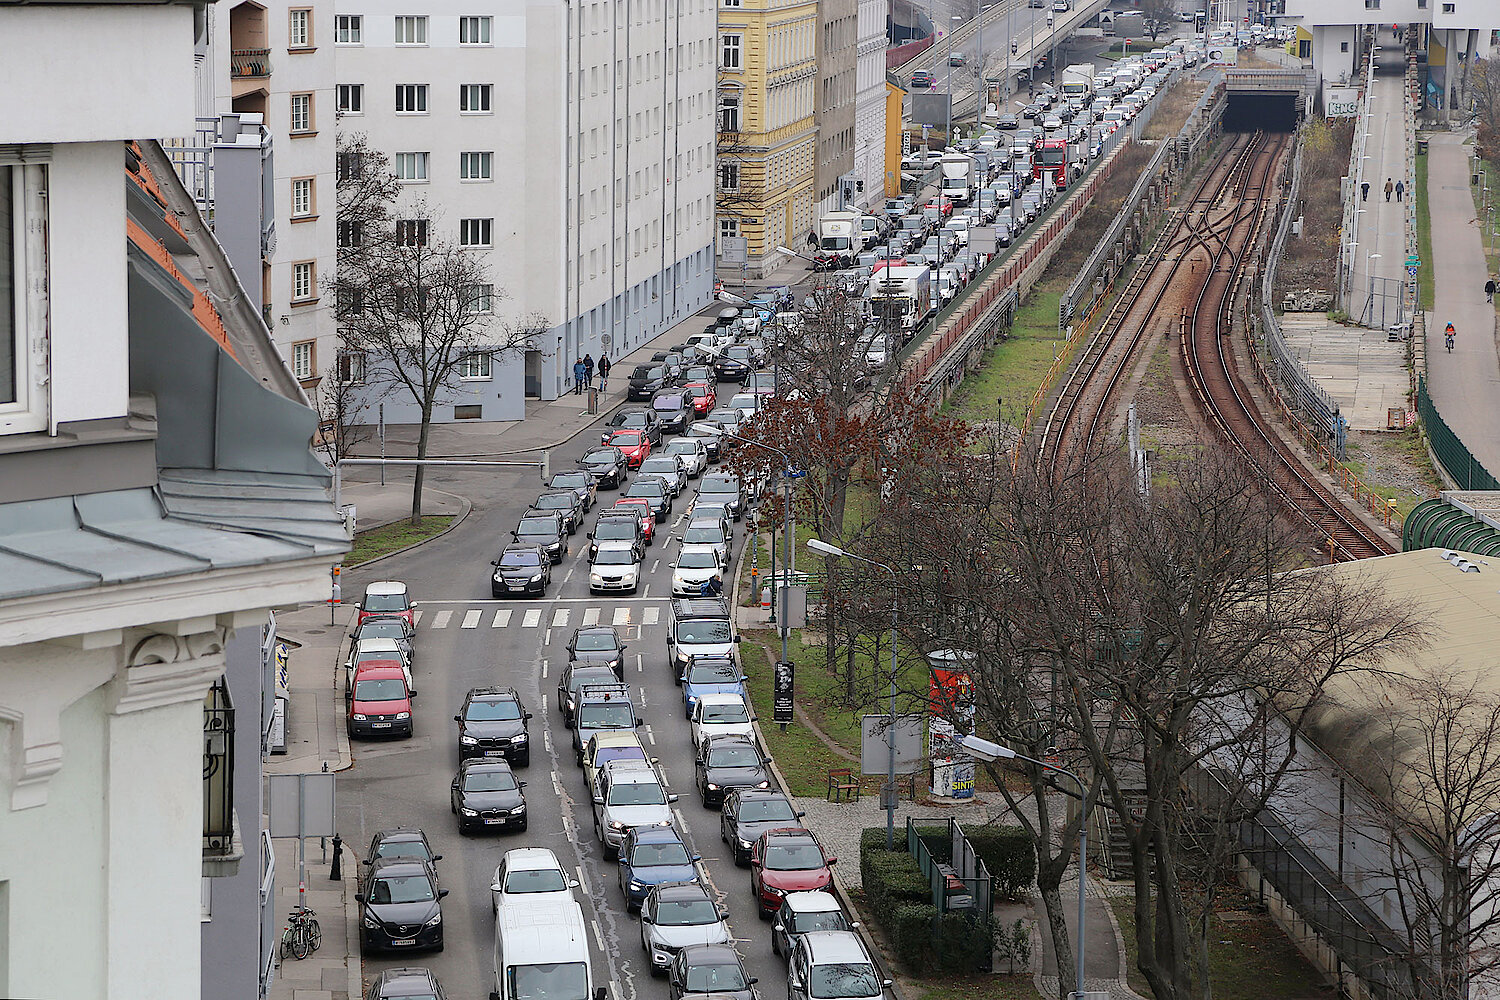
<point>222,846</point>
<point>249,64</point>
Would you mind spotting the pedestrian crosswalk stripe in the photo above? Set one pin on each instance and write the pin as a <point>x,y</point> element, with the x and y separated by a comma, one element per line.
<point>502,618</point>
<point>531,619</point>
<point>622,616</point>
<point>650,616</point>
<point>416,618</point>
<point>590,616</point>
<point>471,618</point>
<point>440,620</point>
<point>559,617</point>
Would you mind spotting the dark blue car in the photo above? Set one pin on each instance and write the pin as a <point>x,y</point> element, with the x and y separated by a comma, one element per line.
<point>652,856</point>
<point>710,675</point>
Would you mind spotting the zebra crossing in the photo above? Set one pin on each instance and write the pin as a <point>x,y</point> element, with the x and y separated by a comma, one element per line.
<point>622,616</point>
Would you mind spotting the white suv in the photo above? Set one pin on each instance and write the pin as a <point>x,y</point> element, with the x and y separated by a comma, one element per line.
<point>833,964</point>
<point>530,875</point>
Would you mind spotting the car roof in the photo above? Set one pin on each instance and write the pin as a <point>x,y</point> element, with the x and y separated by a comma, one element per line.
<point>494,694</point>
<point>815,901</point>
<point>790,832</point>
<point>396,834</point>
<point>616,738</point>
<point>631,772</point>
<point>405,865</point>
<point>534,859</point>
<point>729,739</point>
<point>375,644</point>
<point>486,764</point>
<point>721,698</point>
<point>674,891</point>
<point>615,545</point>
<point>834,947</point>
<point>595,630</point>
<point>656,835</point>
<point>385,587</point>
<point>379,670</point>
<point>413,978</point>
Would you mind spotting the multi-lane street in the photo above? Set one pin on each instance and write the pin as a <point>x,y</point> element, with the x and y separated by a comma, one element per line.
<point>464,639</point>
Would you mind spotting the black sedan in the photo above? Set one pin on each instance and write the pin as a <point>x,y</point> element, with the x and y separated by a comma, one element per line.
<point>599,644</point>
<point>521,569</point>
<point>727,762</point>
<point>566,503</point>
<point>400,842</point>
<point>492,724</point>
<point>606,464</point>
<point>617,525</point>
<point>646,380</point>
<point>400,906</point>
<point>655,489</point>
<point>633,419</point>
<point>710,968</point>
<point>577,480</point>
<point>485,795</point>
<point>750,812</point>
<point>546,529</point>
<point>674,410</point>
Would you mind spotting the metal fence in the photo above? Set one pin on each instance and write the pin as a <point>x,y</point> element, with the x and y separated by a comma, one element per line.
<point>1457,460</point>
<point>961,884</point>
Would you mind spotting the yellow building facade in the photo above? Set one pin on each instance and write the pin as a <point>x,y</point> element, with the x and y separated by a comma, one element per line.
<point>894,94</point>
<point>767,138</point>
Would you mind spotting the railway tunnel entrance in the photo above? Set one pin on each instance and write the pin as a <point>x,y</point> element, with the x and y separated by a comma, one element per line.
<point>1265,100</point>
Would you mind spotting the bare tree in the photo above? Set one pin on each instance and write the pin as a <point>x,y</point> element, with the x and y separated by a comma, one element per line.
<point>1158,14</point>
<point>1485,90</point>
<point>344,402</point>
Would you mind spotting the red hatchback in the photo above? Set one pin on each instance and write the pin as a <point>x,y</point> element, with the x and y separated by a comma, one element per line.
<point>635,445</point>
<point>379,701</point>
<point>648,516</point>
<point>703,396</point>
<point>787,859</point>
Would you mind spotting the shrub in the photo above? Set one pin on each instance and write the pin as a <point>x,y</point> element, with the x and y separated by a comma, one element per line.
<point>939,844</point>
<point>1008,853</point>
<point>891,879</point>
<point>963,945</point>
<point>910,929</point>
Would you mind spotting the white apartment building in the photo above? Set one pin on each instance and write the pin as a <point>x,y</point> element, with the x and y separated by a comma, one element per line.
<point>869,102</point>
<point>1453,32</point>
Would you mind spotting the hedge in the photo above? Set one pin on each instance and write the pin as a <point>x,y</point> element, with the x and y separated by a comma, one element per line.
<point>892,878</point>
<point>900,901</point>
<point>1008,853</point>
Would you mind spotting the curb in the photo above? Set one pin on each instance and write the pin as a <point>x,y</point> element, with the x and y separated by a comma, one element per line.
<point>458,519</point>
<point>354,961</point>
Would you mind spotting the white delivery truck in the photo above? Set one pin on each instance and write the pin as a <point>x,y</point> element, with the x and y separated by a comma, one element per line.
<point>902,296</point>
<point>959,177</point>
<point>542,953</point>
<point>1077,80</point>
<point>839,240</point>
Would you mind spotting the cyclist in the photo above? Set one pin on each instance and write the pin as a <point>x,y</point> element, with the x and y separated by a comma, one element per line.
<point>1448,337</point>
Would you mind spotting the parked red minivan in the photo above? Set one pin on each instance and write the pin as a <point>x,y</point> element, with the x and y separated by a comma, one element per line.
<point>380,701</point>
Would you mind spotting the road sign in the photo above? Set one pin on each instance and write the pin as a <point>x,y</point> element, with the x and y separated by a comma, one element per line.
<point>733,249</point>
<point>1412,269</point>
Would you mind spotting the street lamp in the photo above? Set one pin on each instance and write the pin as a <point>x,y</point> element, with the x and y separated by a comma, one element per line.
<point>987,751</point>
<point>818,545</point>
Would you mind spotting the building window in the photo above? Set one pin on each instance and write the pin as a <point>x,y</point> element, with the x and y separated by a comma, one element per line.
<point>304,287</point>
<point>474,31</point>
<point>1372,4</point>
<point>351,98</point>
<point>729,114</point>
<point>729,177</point>
<point>411,29</point>
<point>302,112</point>
<point>468,411</point>
<point>302,359</point>
<point>729,3</point>
<point>351,302</point>
<point>1448,8</point>
<point>411,98</point>
<point>475,365</point>
<point>411,166</point>
<point>411,232</point>
<point>351,234</point>
<point>729,51</point>
<point>729,229</point>
<point>349,164</point>
<point>299,29</point>
<point>348,29</point>
<point>351,367</point>
<point>303,203</point>
<point>479,299</point>
<point>474,166</point>
<point>475,232</point>
<point>474,98</point>
<point>1343,46</point>
<point>23,299</point>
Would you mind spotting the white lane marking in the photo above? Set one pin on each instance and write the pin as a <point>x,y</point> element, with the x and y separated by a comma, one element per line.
<point>615,991</point>
<point>560,618</point>
<point>622,616</point>
<point>682,823</point>
<point>599,937</point>
<point>557,784</point>
<point>583,883</point>
<point>416,618</point>
<point>569,574</point>
<point>532,618</point>
<point>590,616</point>
<point>544,669</point>
<point>440,620</point>
<point>547,740</point>
<point>643,696</point>
<point>650,735</point>
<point>547,639</point>
<point>647,591</point>
<point>638,667</point>
<point>655,563</point>
<point>471,618</point>
<point>650,616</point>
<point>502,618</point>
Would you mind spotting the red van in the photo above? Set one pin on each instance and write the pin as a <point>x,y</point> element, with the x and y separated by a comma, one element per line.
<point>380,701</point>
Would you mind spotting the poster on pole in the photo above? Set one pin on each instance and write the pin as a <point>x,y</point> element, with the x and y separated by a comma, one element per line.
<point>781,692</point>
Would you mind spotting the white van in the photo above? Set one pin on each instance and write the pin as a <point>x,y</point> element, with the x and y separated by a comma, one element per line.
<point>542,953</point>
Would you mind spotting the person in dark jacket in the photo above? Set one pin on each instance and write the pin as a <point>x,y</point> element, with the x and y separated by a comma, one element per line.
<point>578,375</point>
<point>1489,290</point>
<point>588,370</point>
<point>603,373</point>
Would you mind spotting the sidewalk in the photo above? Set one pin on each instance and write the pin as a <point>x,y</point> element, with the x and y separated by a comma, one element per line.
<point>1382,223</point>
<point>1465,385</point>
<point>315,739</point>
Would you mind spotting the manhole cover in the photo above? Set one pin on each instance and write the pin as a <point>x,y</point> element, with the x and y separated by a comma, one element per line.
<point>317,631</point>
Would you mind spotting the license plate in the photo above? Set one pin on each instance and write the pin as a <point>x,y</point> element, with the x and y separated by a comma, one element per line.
<point>398,942</point>
<point>494,753</point>
<point>380,725</point>
<point>516,586</point>
<point>494,822</point>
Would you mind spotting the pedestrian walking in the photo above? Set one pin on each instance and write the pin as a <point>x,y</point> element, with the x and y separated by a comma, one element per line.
<point>1489,290</point>
<point>1389,187</point>
<point>588,370</point>
<point>1364,191</point>
<point>578,377</point>
<point>1400,189</point>
<point>603,373</point>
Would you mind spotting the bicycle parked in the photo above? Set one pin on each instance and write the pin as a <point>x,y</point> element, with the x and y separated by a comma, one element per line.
<point>302,935</point>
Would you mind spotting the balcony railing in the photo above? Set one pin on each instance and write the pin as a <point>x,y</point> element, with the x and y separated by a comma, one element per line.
<point>218,772</point>
<point>249,63</point>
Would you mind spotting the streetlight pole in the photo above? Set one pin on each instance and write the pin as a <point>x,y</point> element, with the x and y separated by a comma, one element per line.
<point>786,545</point>
<point>818,545</point>
<point>949,129</point>
<point>986,750</point>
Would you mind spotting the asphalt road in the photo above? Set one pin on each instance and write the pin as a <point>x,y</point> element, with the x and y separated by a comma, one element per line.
<point>464,639</point>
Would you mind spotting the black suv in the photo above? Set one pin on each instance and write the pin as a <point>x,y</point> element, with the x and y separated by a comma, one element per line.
<point>726,762</point>
<point>545,528</point>
<point>564,502</point>
<point>400,905</point>
<point>647,380</point>
<point>674,409</point>
<point>617,525</point>
<point>492,723</point>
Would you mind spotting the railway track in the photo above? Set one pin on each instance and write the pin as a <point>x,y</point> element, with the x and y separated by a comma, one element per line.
<point>1225,397</point>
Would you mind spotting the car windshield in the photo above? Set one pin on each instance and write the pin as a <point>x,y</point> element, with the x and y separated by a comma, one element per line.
<point>794,857</point>
<point>842,979</point>
<point>596,640</point>
<point>667,404</point>
<point>707,630</point>
<point>555,501</point>
<point>394,629</point>
<point>385,602</point>
<point>492,711</point>
<point>641,371</point>
<point>606,754</point>
<point>380,689</point>
<point>535,880</point>
<point>819,920</point>
<point>606,715</point>
<point>635,418</point>
<point>766,810</point>
<point>614,557</point>
<point>536,526</point>
<point>559,981</point>
<point>683,446</point>
<point>402,849</point>
<point>489,781</point>
<point>733,757</point>
<point>647,488</point>
<point>599,458</point>
<point>650,855</point>
<point>714,979</point>
<point>521,559</point>
<point>641,793</point>
<point>725,714</point>
<point>704,534</point>
<point>719,484</point>
<point>687,913</point>
<point>659,467</point>
<point>615,527</point>
<point>571,480</point>
<point>627,439</point>
<point>713,673</point>
<point>701,559</point>
<point>402,889</point>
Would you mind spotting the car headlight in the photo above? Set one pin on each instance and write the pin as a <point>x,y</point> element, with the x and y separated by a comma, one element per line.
<point>536,579</point>
<point>371,922</point>
<point>615,824</point>
<point>712,787</point>
<point>437,919</point>
<point>518,810</point>
<point>636,886</point>
<point>467,741</point>
<point>570,704</point>
<point>595,578</point>
<point>661,956</point>
<point>499,577</point>
<point>403,715</point>
<point>764,784</point>
<point>745,845</point>
<point>358,718</point>
<point>518,739</point>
